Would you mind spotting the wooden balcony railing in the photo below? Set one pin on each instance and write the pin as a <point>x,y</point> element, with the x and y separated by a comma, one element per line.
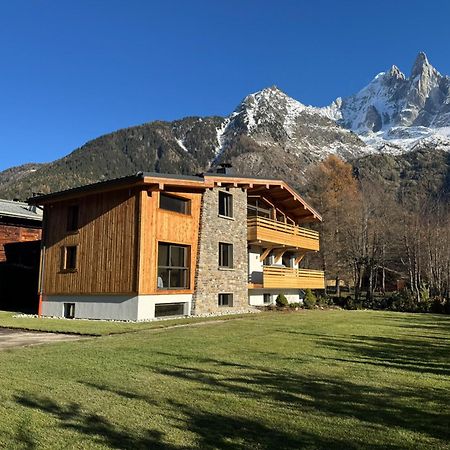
<point>284,278</point>
<point>260,229</point>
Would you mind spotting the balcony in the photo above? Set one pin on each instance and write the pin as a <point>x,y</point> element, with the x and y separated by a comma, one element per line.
<point>268,232</point>
<point>286,278</point>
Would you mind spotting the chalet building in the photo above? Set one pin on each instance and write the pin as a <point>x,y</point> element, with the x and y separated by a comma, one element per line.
<point>153,245</point>
<point>19,222</point>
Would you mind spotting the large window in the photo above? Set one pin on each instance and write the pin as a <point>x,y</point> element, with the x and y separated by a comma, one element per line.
<point>72,218</point>
<point>225,300</point>
<point>175,204</point>
<point>69,255</point>
<point>225,204</point>
<point>173,266</point>
<point>225,255</point>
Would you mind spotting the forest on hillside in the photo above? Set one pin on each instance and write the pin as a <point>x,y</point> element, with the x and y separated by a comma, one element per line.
<point>377,240</point>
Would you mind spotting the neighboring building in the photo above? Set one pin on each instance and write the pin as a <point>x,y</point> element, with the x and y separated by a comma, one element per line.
<point>20,233</point>
<point>153,245</point>
<point>19,222</point>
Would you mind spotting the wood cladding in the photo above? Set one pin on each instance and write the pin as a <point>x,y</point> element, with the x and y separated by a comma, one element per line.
<point>159,225</point>
<point>117,242</point>
<point>16,233</point>
<point>106,242</point>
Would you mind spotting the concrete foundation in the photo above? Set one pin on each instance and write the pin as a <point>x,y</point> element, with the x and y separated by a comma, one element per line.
<point>113,307</point>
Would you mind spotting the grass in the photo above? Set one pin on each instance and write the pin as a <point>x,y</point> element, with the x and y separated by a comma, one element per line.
<point>312,379</point>
<point>96,327</point>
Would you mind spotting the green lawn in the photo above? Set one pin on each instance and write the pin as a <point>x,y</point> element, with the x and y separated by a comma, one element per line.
<point>312,379</point>
<point>95,327</point>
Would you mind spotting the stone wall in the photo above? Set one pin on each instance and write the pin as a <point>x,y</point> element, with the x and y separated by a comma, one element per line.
<point>210,280</point>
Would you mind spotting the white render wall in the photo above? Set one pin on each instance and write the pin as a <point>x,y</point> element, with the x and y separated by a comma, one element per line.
<point>112,307</point>
<point>256,296</point>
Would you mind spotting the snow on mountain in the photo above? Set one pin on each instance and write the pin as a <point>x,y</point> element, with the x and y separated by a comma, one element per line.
<point>273,119</point>
<point>396,113</point>
<point>393,114</point>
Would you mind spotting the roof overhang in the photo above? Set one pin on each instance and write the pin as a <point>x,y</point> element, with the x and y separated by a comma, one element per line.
<point>277,191</point>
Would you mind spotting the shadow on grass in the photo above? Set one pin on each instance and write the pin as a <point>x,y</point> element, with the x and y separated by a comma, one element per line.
<point>212,430</point>
<point>425,350</point>
<point>388,407</point>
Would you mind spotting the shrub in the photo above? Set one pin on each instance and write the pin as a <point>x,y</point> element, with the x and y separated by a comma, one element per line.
<point>294,305</point>
<point>403,301</point>
<point>281,300</point>
<point>324,300</point>
<point>310,299</point>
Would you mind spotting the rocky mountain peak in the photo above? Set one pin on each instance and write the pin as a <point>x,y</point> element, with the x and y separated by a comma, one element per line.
<point>395,72</point>
<point>420,65</point>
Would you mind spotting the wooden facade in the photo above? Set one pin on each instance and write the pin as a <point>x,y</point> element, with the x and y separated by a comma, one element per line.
<point>159,225</point>
<point>106,242</point>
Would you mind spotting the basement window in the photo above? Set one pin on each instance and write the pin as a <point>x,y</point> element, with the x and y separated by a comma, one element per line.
<point>174,204</point>
<point>69,310</point>
<point>225,300</point>
<point>169,309</point>
<point>225,204</point>
<point>267,299</point>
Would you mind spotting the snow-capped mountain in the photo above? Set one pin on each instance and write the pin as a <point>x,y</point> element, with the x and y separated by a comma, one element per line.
<point>268,134</point>
<point>273,119</point>
<point>392,114</point>
<point>397,113</point>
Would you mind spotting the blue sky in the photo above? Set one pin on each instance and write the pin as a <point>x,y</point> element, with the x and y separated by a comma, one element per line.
<point>73,70</point>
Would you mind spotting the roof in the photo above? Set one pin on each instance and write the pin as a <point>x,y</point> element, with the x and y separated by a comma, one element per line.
<point>277,190</point>
<point>9,208</point>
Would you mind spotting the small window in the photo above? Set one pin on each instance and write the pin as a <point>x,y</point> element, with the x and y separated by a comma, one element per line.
<point>69,310</point>
<point>225,204</point>
<point>70,258</point>
<point>173,266</point>
<point>267,299</point>
<point>72,218</point>
<point>225,299</point>
<point>225,255</point>
<point>175,204</point>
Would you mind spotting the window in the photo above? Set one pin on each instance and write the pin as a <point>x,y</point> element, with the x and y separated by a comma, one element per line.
<point>70,258</point>
<point>225,255</point>
<point>225,299</point>
<point>175,204</point>
<point>169,309</point>
<point>269,259</point>
<point>173,266</point>
<point>69,310</point>
<point>267,299</point>
<point>257,207</point>
<point>225,204</point>
<point>72,218</point>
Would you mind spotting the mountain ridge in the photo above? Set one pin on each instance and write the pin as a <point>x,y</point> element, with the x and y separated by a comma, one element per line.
<point>268,133</point>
